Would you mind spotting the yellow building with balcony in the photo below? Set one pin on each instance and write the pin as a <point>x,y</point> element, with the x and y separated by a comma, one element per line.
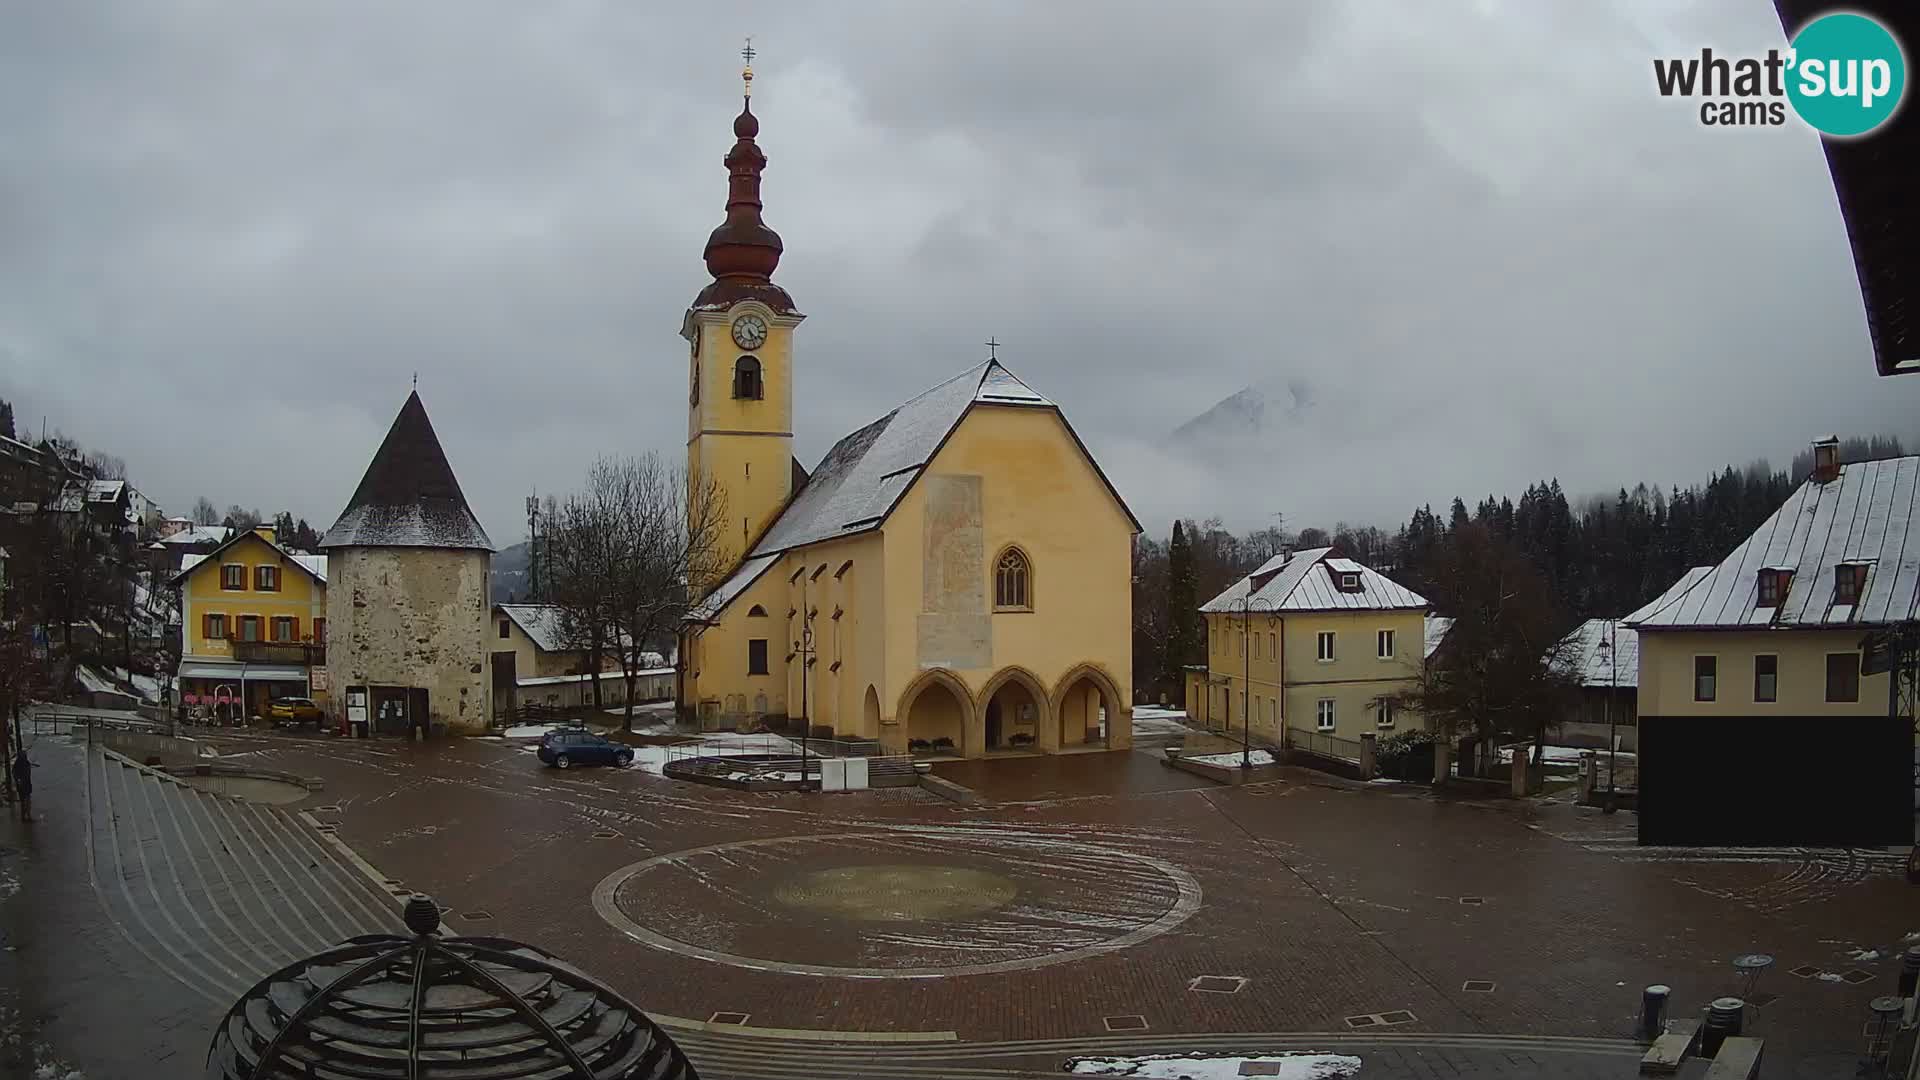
<point>1309,649</point>
<point>253,625</point>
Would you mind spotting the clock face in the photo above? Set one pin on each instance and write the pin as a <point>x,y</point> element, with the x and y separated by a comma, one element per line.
<point>749,332</point>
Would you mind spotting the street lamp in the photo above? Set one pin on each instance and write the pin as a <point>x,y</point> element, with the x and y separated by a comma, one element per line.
<point>803,648</point>
<point>1611,643</point>
<point>1248,605</point>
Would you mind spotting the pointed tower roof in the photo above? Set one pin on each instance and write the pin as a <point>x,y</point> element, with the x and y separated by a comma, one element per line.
<point>743,252</point>
<point>409,497</point>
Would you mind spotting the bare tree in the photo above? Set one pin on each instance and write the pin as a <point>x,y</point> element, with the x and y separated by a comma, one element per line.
<point>1502,671</point>
<point>204,512</point>
<point>622,551</point>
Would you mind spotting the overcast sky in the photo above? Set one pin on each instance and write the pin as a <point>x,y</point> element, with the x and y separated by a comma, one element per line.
<point>230,233</point>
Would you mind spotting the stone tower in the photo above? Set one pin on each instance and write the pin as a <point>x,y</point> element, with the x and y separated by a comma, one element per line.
<point>740,373</point>
<point>407,590</point>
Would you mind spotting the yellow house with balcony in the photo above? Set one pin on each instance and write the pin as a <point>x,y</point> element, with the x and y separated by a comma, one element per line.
<point>253,625</point>
<point>1309,649</point>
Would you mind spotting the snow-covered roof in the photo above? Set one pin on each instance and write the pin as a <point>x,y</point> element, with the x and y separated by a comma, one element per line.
<point>199,534</point>
<point>546,625</point>
<point>97,682</point>
<point>408,496</point>
<point>1870,514</point>
<point>315,565</point>
<point>1687,581</point>
<point>717,600</point>
<point>1437,627</point>
<point>1299,582</point>
<point>1600,652</point>
<point>858,482</point>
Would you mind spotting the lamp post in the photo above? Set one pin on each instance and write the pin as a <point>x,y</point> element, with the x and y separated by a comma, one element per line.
<point>803,648</point>
<point>1248,605</point>
<point>1611,644</point>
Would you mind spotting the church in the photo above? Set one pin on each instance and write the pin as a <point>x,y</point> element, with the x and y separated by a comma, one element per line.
<point>951,580</point>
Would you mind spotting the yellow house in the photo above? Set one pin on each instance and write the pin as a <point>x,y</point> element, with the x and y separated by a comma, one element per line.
<point>253,624</point>
<point>950,579</point>
<point>1310,646</point>
<point>1754,667</point>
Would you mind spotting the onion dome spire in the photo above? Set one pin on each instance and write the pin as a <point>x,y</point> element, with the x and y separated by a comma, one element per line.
<point>743,248</point>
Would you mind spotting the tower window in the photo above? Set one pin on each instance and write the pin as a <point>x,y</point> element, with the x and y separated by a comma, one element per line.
<point>1012,587</point>
<point>746,379</point>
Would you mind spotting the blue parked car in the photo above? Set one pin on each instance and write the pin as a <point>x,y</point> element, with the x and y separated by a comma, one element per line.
<point>565,749</point>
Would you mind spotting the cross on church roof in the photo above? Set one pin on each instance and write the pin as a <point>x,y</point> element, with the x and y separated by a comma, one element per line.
<point>746,73</point>
<point>993,349</point>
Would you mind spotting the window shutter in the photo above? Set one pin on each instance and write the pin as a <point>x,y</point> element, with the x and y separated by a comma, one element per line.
<point>206,626</point>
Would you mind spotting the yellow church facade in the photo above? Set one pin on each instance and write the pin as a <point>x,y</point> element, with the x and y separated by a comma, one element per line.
<point>952,579</point>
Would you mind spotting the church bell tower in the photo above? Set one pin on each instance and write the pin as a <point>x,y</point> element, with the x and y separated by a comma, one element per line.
<point>739,333</point>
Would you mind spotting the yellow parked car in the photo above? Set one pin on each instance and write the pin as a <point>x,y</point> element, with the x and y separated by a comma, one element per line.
<point>295,710</point>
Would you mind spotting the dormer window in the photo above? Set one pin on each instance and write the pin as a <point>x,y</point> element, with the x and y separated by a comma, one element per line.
<point>1849,582</point>
<point>1346,574</point>
<point>1349,582</point>
<point>1773,586</point>
<point>746,379</point>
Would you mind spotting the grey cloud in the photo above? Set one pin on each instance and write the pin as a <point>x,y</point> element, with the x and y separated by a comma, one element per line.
<point>230,234</point>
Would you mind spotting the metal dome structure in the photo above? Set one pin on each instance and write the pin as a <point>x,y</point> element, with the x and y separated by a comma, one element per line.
<point>383,1007</point>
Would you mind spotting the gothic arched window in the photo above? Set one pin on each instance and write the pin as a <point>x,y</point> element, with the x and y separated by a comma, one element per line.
<point>746,379</point>
<point>1012,581</point>
<point>756,612</point>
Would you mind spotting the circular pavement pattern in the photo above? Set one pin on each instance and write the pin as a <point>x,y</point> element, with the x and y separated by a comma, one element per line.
<point>903,902</point>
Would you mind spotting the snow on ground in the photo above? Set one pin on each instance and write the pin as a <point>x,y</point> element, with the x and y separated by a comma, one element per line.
<point>1196,1067</point>
<point>1863,955</point>
<point>1153,720</point>
<point>654,759</point>
<point>1563,755</point>
<point>1257,757</point>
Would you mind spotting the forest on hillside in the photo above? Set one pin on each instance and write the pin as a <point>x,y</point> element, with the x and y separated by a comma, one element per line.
<point>1600,555</point>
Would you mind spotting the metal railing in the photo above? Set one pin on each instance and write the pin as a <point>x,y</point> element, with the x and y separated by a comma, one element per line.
<point>62,719</point>
<point>1324,744</point>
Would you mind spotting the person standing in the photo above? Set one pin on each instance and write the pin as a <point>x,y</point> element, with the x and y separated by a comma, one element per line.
<point>23,783</point>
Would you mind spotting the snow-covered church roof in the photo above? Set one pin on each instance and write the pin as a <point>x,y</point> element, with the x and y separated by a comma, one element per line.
<point>408,497</point>
<point>863,477</point>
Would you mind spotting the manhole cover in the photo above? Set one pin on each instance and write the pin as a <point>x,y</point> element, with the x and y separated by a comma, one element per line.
<point>727,1018</point>
<point>1478,986</point>
<point>1397,1016</point>
<point>476,916</point>
<point>1218,984</point>
<point>1805,971</point>
<point>1856,977</point>
<point>1132,1022</point>
<point>897,893</point>
<point>1362,1021</point>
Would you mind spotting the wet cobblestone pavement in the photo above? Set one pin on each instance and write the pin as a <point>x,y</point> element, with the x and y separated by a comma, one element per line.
<point>1345,917</point>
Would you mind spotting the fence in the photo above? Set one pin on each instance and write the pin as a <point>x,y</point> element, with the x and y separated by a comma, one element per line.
<point>771,758</point>
<point>1323,744</point>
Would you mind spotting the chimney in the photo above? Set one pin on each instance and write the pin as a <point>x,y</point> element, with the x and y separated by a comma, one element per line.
<point>1826,459</point>
<point>264,532</point>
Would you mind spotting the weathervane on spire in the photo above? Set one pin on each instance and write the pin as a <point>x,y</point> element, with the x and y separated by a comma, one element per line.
<point>746,73</point>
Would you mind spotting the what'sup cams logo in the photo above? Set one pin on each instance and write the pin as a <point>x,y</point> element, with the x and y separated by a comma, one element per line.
<point>1844,74</point>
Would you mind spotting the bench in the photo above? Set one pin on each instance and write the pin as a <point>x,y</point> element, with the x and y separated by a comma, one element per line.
<point>1738,1059</point>
<point>1663,1058</point>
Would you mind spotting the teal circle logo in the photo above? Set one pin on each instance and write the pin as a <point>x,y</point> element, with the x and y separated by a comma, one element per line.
<point>1847,74</point>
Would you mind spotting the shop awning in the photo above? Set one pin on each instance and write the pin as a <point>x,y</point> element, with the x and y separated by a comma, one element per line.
<point>216,669</point>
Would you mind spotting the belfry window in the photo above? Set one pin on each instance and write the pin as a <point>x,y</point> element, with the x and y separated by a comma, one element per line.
<point>746,379</point>
<point>1012,582</point>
